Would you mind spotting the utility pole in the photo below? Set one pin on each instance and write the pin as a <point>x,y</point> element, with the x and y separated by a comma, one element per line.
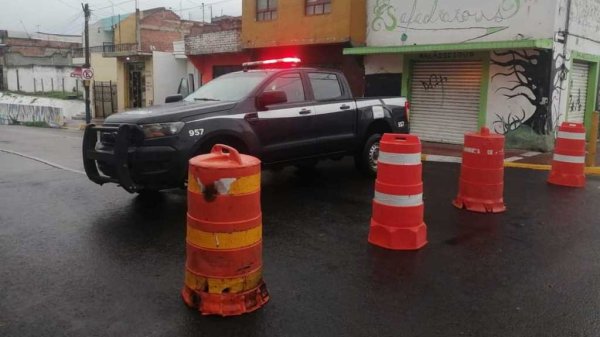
<point>203,12</point>
<point>86,65</point>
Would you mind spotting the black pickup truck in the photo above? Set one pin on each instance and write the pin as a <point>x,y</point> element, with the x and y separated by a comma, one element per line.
<point>286,116</point>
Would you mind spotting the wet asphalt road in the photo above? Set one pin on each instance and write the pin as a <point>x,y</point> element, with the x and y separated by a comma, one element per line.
<point>82,260</point>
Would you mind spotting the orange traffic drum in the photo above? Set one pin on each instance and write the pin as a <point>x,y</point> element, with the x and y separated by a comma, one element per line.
<point>397,220</point>
<point>568,162</point>
<point>224,234</point>
<point>481,183</point>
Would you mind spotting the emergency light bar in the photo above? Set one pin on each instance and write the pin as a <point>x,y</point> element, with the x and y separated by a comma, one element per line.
<point>293,61</point>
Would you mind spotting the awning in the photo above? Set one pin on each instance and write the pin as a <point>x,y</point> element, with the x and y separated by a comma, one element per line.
<point>468,46</point>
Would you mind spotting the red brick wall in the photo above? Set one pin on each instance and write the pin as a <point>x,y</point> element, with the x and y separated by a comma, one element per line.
<point>160,28</point>
<point>160,40</point>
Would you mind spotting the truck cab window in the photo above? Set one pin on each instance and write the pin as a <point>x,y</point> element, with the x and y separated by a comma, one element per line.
<point>326,86</point>
<point>291,84</point>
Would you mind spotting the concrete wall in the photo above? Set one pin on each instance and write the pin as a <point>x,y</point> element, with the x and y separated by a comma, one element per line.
<point>55,58</point>
<point>98,36</point>
<point>23,108</point>
<point>30,51</point>
<point>41,79</point>
<point>168,71</point>
<point>384,64</point>
<point>582,44</point>
<point>191,69</point>
<point>409,22</point>
<point>293,27</point>
<point>122,93</point>
<point>149,79</point>
<point>105,68</point>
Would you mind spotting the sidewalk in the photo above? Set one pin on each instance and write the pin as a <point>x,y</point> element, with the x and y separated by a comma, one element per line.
<point>79,124</point>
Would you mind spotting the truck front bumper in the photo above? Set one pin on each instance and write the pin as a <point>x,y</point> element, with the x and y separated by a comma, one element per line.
<point>126,161</point>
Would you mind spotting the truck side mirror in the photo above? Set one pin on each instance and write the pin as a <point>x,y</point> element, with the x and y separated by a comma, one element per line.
<point>174,98</point>
<point>269,98</point>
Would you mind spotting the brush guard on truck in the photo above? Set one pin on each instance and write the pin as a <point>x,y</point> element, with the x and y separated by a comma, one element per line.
<point>127,138</point>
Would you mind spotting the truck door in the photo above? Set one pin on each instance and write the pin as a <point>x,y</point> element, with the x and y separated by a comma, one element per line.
<point>286,130</point>
<point>335,112</point>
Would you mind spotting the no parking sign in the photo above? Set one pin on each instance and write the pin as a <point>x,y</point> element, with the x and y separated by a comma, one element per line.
<point>87,74</point>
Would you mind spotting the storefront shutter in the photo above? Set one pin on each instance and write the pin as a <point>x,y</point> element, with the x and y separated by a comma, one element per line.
<point>578,92</point>
<point>445,100</point>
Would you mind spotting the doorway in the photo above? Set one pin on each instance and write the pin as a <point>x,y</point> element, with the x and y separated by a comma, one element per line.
<point>136,84</point>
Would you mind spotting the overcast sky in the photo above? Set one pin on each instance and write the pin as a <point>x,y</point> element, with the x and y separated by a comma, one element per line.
<point>66,16</point>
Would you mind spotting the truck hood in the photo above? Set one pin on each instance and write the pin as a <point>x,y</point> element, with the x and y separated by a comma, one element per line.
<point>171,112</point>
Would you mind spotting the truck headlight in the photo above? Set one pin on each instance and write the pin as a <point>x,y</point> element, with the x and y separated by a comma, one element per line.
<point>162,129</point>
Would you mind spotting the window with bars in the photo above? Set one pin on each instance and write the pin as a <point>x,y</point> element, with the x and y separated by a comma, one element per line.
<point>266,10</point>
<point>318,7</point>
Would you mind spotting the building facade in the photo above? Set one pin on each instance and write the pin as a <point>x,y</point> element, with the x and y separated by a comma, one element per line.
<point>37,62</point>
<point>517,67</point>
<point>137,39</point>
<point>217,49</point>
<point>316,31</point>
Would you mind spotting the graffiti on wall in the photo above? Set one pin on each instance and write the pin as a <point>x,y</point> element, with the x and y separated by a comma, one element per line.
<point>422,21</point>
<point>17,113</point>
<point>560,73</point>
<point>434,81</point>
<point>519,83</point>
<point>388,16</point>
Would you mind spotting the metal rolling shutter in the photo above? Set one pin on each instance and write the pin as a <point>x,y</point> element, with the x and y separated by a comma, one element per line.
<point>445,100</point>
<point>578,92</point>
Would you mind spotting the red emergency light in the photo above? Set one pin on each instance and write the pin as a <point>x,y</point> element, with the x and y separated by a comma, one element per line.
<point>286,61</point>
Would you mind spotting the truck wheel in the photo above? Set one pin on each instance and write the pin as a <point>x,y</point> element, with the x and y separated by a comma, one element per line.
<point>366,160</point>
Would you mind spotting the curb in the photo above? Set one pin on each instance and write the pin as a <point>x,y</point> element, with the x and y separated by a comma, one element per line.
<point>539,167</point>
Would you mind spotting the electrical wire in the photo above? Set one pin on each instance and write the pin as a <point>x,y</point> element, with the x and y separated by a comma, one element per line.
<point>68,4</point>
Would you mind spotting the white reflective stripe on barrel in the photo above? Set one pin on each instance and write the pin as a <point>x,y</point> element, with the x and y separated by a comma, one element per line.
<point>571,135</point>
<point>399,158</point>
<point>399,200</point>
<point>569,159</point>
<point>471,150</point>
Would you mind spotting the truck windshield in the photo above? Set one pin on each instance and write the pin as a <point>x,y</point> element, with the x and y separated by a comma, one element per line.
<point>230,87</point>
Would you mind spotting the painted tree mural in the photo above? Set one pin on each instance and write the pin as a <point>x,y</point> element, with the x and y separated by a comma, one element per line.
<point>523,79</point>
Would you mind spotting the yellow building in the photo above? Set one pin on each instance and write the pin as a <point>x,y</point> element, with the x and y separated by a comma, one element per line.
<point>269,23</point>
<point>138,38</point>
<point>317,31</point>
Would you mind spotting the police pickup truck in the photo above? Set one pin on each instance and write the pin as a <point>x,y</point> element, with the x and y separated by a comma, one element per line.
<point>280,114</point>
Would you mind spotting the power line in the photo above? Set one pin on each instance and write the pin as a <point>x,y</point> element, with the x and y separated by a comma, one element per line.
<point>67,4</point>
<point>207,4</point>
<point>115,4</point>
<point>61,25</point>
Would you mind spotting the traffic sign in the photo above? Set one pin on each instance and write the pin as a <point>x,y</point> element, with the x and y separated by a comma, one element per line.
<point>87,73</point>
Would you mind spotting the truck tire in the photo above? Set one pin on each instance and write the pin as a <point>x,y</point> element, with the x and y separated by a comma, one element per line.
<point>366,159</point>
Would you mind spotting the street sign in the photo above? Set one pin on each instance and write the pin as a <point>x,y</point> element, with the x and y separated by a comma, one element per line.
<point>87,73</point>
<point>76,72</point>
